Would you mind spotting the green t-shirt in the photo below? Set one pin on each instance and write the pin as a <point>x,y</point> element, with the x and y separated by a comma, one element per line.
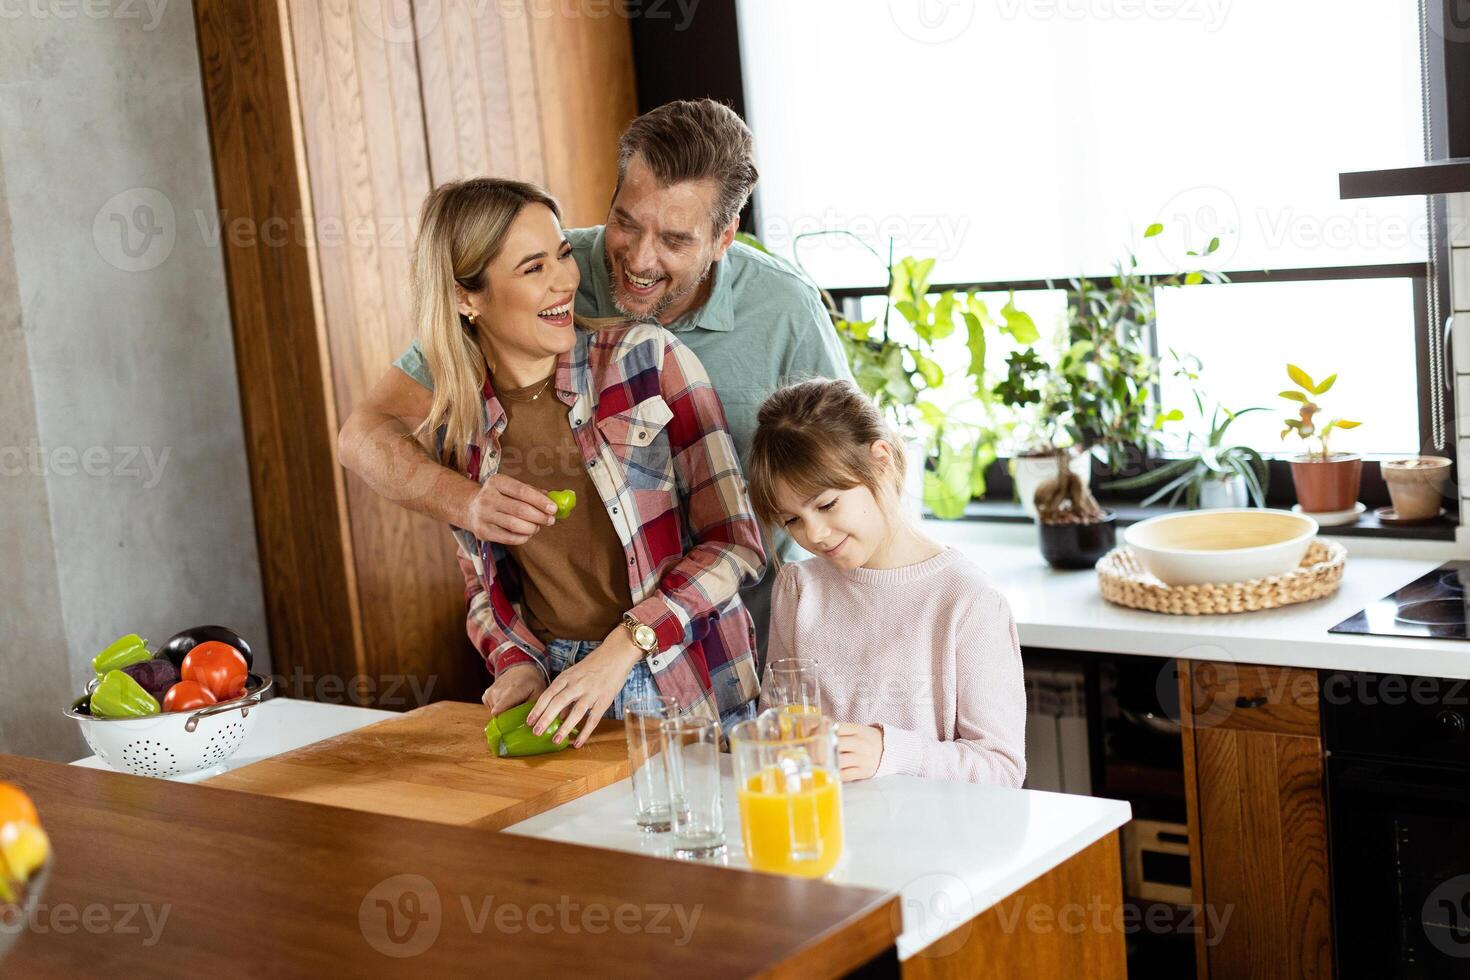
<point>763,326</point>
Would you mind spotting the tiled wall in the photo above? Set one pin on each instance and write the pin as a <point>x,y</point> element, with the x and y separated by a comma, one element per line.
<point>1459,213</point>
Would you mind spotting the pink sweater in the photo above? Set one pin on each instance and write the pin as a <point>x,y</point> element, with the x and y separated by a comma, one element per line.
<point>928,652</point>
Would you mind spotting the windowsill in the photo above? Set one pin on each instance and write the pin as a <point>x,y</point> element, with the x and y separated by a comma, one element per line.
<point>1367,526</point>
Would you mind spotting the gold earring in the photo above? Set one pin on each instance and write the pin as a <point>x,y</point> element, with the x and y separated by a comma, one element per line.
<point>470,316</point>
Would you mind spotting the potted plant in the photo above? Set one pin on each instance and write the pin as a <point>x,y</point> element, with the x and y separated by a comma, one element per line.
<point>1326,482</point>
<point>1416,485</point>
<point>1075,531</point>
<point>1216,475</point>
<point>948,447</point>
<point>1028,389</point>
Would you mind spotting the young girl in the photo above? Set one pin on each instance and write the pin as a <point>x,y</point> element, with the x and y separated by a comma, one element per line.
<point>919,659</point>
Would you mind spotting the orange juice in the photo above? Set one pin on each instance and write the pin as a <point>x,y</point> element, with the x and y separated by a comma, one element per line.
<point>768,811</point>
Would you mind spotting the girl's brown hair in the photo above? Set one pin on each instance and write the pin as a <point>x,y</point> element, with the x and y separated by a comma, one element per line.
<point>818,435</point>
<point>461,229</point>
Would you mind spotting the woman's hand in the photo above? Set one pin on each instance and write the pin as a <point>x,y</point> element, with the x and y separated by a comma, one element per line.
<point>515,685</point>
<point>859,750</point>
<point>506,511</point>
<point>587,688</point>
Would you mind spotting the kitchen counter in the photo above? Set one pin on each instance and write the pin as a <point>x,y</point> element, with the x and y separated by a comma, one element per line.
<point>952,850</point>
<point>158,878</point>
<point>1064,611</point>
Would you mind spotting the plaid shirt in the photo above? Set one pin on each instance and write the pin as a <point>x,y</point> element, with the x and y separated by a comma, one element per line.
<point>653,437</point>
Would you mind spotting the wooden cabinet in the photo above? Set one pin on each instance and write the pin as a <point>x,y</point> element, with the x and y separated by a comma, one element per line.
<point>1257,820</point>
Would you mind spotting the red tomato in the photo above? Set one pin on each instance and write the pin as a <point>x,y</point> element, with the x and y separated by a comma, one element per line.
<point>186,696</point>
<point>218,667</point>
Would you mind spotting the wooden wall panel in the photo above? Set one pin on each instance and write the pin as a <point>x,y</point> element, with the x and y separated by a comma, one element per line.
<point>286,401</point>
<point>584,74</point>
<point>368,163</point>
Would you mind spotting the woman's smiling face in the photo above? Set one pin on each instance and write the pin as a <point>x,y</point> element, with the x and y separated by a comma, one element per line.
<point>526,307</point>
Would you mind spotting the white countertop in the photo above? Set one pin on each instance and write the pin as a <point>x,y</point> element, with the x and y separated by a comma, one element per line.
<point>952,850</point>
<point>1064,610</point>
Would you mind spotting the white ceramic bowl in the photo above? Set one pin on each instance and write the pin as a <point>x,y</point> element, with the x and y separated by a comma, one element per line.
<point>1230,544</point>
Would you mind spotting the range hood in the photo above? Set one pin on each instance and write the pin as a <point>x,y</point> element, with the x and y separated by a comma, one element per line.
<point>1447,176</point>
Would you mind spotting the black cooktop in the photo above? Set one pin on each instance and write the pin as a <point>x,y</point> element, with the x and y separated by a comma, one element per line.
<point>1434,604</point>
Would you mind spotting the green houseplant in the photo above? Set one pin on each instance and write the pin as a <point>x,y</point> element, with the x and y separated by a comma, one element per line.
<point>901,374</point>
<point>1212,475</point>
<point>1326,482</point>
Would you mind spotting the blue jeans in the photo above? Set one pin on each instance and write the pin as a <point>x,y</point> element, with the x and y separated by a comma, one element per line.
<point>561,654</point>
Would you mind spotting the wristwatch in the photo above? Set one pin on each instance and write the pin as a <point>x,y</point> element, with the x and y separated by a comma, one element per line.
<point>644,637</point>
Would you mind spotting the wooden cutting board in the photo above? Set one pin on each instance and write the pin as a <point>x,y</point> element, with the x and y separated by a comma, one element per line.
<point>432,764</point>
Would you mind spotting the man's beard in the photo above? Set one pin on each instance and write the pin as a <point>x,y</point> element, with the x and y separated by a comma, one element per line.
<point>667,300</point>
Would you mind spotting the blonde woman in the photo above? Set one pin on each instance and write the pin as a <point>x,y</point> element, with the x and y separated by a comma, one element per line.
<point>636,591</point>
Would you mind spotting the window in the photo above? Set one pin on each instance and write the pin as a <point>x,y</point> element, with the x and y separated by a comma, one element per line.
<point>1029,141</point>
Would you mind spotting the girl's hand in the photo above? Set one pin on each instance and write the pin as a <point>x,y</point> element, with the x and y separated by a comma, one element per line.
<point>859,749</point>
<point>587,688</point>
<point>514,686</point>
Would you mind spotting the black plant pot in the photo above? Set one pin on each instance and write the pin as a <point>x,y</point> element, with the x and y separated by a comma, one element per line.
<point>1077,545</point>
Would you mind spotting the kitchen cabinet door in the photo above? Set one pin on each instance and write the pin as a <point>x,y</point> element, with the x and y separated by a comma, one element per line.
<point>1258,830</point>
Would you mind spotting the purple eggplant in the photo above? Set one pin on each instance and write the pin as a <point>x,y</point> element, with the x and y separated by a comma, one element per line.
<point>185,640</point>
<point>155,676</point>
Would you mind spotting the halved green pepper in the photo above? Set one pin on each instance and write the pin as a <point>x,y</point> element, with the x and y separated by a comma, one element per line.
<point>508,735</point>
<point>119,696</point>
<point>121,652</point>
<point>506,721</point>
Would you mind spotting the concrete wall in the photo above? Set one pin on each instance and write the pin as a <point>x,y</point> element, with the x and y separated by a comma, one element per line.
<point>124,492</point>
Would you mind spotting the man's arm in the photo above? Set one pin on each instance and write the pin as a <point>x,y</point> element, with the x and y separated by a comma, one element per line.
<point>377,443</point>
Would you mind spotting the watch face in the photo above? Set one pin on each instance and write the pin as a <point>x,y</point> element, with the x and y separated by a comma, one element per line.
<point>645,637</point>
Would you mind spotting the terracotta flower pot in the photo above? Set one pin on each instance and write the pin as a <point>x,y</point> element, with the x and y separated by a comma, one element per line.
<point>1417,485</point>
<point>1325,486</point>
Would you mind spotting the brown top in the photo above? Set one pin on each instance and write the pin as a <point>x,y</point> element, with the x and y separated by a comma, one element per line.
<point>156,878</point>
<point>574,575</point>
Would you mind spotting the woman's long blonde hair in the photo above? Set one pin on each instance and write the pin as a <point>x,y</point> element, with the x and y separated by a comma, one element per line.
<point>461,229</point>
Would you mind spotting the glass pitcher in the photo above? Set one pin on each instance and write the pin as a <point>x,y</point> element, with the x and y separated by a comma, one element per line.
<point>790,791</point>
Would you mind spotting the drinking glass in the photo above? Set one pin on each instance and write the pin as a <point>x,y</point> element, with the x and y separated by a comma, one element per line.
<point>642,719</point>
<point>790,791</point>
<point>692,764</point>
<point>791,683</point>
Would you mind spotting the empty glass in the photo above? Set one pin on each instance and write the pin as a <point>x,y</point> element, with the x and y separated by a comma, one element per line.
<point>642,719</point>
<point>692,764</point>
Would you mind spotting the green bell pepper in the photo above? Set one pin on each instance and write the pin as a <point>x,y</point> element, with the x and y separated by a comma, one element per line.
<point>120,653</point>
<point>508,735</point>
<point>523,741</point>
<point>565,500</point>
<point>119,696</point>
<point>506,721</point>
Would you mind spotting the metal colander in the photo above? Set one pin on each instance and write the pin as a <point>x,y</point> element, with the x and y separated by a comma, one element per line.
<point>176,743</point>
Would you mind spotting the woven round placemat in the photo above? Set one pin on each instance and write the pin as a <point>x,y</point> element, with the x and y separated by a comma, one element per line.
<point>1123,580</point>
